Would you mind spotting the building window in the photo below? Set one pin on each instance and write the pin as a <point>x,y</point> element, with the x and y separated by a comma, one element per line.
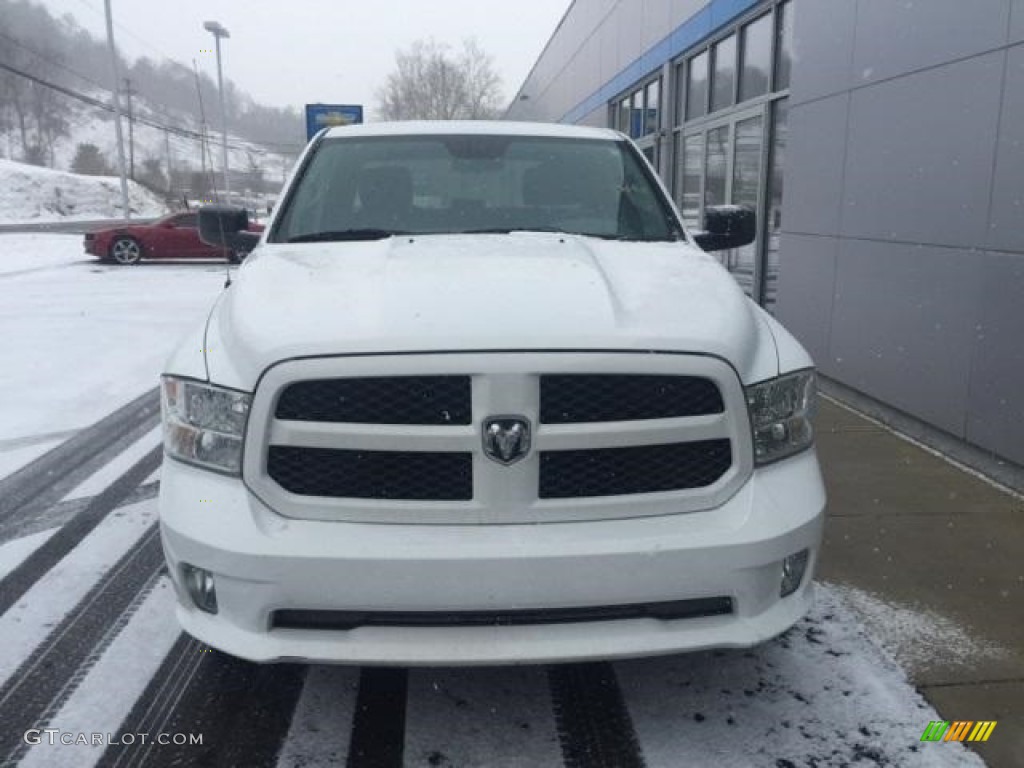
<point>723,82</point>
<point>691,172</point>
<point>730,133</point>
<point>679,78</point>
<point>746,168</point>
<point>716,166</point>
<point>784,46</point>
<point>636,118</point>
<point>697,86</point>
<point>756,55</point>
<point>623,123</point>
<point>651,109</point>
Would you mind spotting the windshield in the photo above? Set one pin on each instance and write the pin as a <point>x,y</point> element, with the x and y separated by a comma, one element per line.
<point>374,187</point>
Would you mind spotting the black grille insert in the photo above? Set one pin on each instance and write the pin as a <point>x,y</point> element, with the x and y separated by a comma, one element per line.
<point>348,620</point>
<point>639,469</point>
<point>405,475</point>
<point>384,400</point>
<point>576,398</point>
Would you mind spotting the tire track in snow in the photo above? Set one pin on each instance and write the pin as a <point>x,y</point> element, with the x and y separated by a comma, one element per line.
<point>322,723</point>
<point>104,476</point>
<point>45,481</point>
<point>243,710</point>
<point>60,514</point>
<point>106,695</point>
<point>378,728</point>
<point>54,669</point>
<point>36,565</point>
<point>29,621</point>
<point>594,725</point>
<point>491,717</point>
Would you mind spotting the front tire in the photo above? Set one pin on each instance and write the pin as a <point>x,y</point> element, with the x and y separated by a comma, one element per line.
<point>126,250</point>
<point>236,257</point>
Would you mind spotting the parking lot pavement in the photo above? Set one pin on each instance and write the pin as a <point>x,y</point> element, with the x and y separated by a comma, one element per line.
<point>934,557</point>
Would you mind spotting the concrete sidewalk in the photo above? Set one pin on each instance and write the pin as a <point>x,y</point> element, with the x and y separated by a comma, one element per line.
<point>916,532</point>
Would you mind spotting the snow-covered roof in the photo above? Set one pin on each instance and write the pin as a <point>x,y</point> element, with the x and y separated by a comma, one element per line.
<point>475,127</point>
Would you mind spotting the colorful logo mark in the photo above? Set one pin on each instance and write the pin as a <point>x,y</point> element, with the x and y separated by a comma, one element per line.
<point>959,730</point>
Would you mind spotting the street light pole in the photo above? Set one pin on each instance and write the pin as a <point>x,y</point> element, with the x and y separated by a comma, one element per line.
<point>218,32</point>
<point>117,111</point>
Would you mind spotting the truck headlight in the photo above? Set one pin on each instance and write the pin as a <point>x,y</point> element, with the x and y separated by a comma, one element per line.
<point>780,415</point>
<point>204,425</point>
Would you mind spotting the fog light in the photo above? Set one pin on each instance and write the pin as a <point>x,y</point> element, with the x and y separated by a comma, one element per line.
<point>793,568</point>
<point>199,583</point>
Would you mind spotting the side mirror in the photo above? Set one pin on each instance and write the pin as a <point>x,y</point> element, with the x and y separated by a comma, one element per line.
<point>227,226</point>
<point>727,226</point>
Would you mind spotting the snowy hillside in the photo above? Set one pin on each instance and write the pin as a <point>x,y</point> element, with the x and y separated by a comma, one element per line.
<point>179,152</point>
<point>28,194</point>
<point>178,149</point>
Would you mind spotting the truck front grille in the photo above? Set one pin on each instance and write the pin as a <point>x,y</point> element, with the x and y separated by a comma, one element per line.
<point>597,436</point>
<point>398,475</point>
<point>436,400</point>
<point>639,469</point>
<point>576,398</point>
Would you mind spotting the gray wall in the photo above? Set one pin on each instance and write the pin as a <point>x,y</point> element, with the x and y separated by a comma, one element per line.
<point>902,262</point>
<point>602,47</point>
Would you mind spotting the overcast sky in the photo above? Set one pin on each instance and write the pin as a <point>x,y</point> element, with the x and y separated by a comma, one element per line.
<point>293,52</point>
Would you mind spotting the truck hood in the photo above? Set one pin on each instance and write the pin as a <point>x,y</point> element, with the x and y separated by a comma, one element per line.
<point>522,291</point>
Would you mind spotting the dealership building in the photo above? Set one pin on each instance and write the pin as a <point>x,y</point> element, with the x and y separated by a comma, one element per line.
<point>881,143</point>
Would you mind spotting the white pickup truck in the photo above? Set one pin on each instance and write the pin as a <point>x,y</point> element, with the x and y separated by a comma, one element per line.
<point>476,397</point>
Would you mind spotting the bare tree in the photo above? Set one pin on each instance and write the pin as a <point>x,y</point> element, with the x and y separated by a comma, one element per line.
<point>432,83</point>
<point>48,107</point>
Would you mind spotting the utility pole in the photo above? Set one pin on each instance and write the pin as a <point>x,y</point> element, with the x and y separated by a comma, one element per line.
<point>128,92</point>
<point>117,110</point>
<point>167,151</point>
<point>202,119</point>
<point>218,31</point>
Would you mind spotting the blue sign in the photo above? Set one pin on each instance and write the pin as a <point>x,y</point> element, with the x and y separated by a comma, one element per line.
<point>320,116</point>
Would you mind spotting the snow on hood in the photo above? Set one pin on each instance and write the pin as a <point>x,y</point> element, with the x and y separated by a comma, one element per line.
<point>481,292</point>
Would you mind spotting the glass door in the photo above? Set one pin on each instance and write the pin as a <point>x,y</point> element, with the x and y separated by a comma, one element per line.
<point>721,163</point>
<point>746,190</point>
<point>772,228</point>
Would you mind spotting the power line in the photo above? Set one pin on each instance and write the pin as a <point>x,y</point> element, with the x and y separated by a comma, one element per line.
<point>53,62</point>
<point>176,130</point>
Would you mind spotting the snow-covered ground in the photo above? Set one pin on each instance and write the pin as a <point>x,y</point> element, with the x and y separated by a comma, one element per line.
<point>83,338</point>
<point>32,194</point>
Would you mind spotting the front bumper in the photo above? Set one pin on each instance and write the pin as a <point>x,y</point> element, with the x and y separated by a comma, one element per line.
<point>263,563</point>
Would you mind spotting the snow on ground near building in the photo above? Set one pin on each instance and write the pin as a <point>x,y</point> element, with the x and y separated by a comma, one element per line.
<point>32,194</point>
<point>83,338</point>
<point>916,636</point>
<point>822,694</point>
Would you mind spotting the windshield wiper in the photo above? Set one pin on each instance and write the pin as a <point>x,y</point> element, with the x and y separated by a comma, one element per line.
<point>507,230</point>
<point>599,235</point>
<point>345,234</point>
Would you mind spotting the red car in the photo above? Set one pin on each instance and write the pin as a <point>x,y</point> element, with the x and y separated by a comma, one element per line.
<point>175,236</point>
